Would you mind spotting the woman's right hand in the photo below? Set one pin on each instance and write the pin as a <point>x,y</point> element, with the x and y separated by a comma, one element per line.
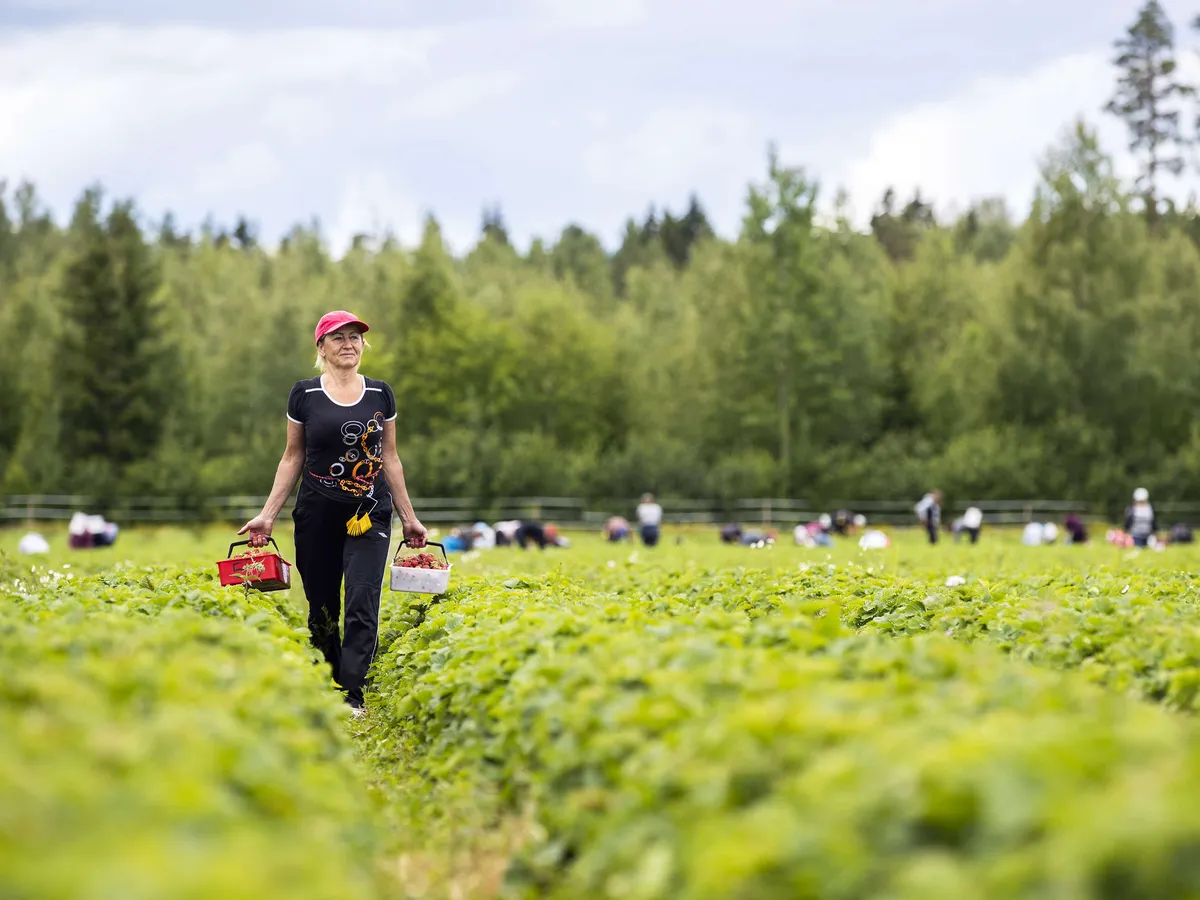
<point>260,530</point>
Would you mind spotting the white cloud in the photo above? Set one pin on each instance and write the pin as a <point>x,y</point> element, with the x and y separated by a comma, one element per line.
<point>458,94</point>
<point>670,147</point>
<point>558,110</point>
<point>372,202</point>
<point>582,14</point>
<point>375,202</point>
<point>988,138</point>
<point>672,152</point>
<point>239,169</point>
<point>198,119</point>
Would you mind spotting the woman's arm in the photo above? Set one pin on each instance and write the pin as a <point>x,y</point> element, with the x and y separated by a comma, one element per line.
<point>286,474</point>
<point>393,471</point>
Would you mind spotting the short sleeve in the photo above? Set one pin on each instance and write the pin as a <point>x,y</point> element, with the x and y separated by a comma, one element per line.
<point>295,404</point>
<point>389,402</point>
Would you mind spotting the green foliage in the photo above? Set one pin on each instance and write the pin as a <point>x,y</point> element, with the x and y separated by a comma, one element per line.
<point>162,736</point>
<point>807,726</point>
<point>697,721</point>
<point>798,357</point>
<point>112,368</point>
<point>899,232</point>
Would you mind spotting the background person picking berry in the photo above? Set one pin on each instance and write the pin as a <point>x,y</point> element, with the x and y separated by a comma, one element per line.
<point>341,436</point>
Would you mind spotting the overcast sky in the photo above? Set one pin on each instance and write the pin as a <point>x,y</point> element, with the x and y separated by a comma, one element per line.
<point>558,110</point>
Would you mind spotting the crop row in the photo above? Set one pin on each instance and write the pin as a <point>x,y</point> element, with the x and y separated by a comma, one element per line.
<point>827,730</point>
<point>705,735</point>
<point>160,736</point>
<point>1129,630</point>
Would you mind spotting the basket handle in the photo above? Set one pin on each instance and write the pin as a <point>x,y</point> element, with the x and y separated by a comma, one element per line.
<point>239,543</point>
<point>427,544</point>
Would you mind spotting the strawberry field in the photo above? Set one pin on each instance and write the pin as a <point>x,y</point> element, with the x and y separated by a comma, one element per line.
<point>697,721</point>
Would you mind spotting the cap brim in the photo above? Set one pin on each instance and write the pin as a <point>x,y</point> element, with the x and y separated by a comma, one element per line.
<point>334,326</point>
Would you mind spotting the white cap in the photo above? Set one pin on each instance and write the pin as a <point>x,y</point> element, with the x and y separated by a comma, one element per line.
<point>1141,495</point>
<point>824,520</point>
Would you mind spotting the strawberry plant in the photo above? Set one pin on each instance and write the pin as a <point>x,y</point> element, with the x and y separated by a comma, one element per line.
<point>819,730</point>
<point>162,736</point>
<point>699,722</point>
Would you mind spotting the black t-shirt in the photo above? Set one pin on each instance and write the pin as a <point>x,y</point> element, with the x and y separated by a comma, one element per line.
<point>343,443</point>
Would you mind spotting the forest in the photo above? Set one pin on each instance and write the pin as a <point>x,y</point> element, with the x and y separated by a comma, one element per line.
<point>1047,353</point>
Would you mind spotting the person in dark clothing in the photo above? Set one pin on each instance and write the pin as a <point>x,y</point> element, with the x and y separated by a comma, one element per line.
<point>531,533</point>
<point>731,533</point>
<point>341,436</point>
<point>1181,533</point>
<point>843,521</point>
<point>1076,530</point>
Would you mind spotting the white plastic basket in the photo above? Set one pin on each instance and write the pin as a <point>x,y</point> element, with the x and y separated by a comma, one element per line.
<point>420,581</point>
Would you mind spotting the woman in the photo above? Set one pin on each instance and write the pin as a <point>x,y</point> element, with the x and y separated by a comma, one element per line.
<point>341,436</point>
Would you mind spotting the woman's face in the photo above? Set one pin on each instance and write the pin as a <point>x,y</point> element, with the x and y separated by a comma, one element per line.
<point>343,348</point>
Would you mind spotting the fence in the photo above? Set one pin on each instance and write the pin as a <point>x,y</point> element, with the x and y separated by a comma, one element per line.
<point>179,510</point>
<point>567,512</point>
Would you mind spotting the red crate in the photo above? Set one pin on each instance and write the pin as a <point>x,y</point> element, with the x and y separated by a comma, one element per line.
<point>261,571</point>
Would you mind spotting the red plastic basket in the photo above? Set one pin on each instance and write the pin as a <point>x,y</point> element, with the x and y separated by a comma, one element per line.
<point>261,571</point>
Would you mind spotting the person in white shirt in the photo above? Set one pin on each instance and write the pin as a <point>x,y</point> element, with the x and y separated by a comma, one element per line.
<point>505,533</point>
<point>929,512</point>
<point>1033,534</point>
<point>649,516</point>
<point>969,523</point>
<point>484,536</point>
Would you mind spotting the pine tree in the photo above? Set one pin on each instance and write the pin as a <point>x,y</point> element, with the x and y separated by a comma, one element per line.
<point>1147,89</point>
<point>245,234</point>
<point>8,239</point>
<point>900,232</point>
<point>493,226</point>
<point>696,223</point>
<point>114,377</point>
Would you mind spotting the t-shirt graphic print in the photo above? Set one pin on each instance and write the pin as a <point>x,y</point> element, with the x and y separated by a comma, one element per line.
<point>343,442</point>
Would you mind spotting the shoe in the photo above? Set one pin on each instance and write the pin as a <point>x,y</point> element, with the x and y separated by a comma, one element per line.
<point>357,711</point>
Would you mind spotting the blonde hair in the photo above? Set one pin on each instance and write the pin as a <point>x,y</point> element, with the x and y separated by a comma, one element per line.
<point>319,363</point>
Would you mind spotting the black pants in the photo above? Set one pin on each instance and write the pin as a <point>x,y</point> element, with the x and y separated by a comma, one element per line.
<point>932,530</point>
<point>650,535</point>
<point>325,555</point>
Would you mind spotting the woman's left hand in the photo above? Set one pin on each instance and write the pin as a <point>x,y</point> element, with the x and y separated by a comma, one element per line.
<point>415,533</point>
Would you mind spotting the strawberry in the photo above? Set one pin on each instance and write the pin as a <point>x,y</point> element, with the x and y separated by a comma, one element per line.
<point>421,561</point>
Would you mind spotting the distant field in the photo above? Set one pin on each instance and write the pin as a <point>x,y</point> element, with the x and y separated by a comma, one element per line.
<point>696,721</point>
<point>202,546</point>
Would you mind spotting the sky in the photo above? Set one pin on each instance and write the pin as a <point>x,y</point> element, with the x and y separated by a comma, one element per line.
<point>368,115</point>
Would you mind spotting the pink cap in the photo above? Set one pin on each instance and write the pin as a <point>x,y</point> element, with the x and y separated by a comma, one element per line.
<point>332,321</point>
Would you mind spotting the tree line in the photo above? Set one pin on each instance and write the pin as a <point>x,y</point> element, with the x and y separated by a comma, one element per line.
<point>1053,355</point>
